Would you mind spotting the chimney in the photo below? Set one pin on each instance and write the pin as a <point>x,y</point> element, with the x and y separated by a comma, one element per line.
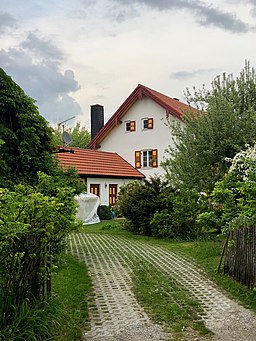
<point>97,119</point>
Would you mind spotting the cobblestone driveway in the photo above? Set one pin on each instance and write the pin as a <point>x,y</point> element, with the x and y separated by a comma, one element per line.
<point>115,315</point>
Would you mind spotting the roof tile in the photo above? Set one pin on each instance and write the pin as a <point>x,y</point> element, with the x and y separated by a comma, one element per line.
<point>98,163</point>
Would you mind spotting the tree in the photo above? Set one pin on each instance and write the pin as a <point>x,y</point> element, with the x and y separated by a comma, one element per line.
<point>225,123</point>
<point>26,135</point>
<point>80,137</point>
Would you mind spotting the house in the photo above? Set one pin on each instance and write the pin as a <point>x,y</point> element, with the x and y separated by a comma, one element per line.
<point>103,172</point>
<point>137,131</point>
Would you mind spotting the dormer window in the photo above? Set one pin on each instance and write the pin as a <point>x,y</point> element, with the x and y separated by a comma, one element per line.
<point>130,126</point>
<point>147,123</point>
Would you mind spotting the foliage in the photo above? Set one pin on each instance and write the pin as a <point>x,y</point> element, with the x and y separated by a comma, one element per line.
<point>104,212</point>
<point>152,208</point>
<point>138,202</point>
<point>180,220</point>
<point>26,135</point>
<point>80,137</point>
<point>202,144</point>
<point>161,224</point>
<point>31,323</point>
<point>63,178</point>
<point>233,199</point>
<point>33,226</point>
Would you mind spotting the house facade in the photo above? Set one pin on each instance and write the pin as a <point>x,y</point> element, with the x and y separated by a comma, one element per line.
<point>104,173</point>
<point>138,130</point>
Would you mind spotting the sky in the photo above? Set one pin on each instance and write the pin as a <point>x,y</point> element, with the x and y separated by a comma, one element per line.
<point>69,55</point>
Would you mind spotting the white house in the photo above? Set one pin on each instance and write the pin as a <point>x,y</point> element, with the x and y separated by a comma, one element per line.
<point>103,172</point>
<point>138,132</point>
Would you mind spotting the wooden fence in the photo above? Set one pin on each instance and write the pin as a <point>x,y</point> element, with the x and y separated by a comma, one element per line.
<point>240,256</point>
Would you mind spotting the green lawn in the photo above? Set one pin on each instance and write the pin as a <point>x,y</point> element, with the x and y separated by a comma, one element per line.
<point>71,286</point>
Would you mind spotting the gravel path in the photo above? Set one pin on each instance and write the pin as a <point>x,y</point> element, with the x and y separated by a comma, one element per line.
<point>115,315</point>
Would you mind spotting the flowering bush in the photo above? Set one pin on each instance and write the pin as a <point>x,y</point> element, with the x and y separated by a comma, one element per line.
<point>235,196</point>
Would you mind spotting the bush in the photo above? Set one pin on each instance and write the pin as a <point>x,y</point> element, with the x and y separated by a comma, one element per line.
<point>104,212</point>
<point>33,227</point>
<point>138,202</point>
<point>187,204</point>
<point>155,209</point>
<point>161,225</point>
<point>234,196</point>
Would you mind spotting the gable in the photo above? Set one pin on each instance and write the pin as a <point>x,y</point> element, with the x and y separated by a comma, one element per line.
<point>170,105</point>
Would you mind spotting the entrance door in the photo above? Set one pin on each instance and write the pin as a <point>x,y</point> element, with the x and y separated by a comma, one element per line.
<point>112,194</point>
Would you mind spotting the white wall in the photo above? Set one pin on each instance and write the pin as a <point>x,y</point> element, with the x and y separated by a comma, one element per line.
<point>126,143</point>
<point>104,187</point>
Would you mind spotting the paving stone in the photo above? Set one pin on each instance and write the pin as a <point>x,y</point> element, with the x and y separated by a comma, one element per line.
<point>116,315</point>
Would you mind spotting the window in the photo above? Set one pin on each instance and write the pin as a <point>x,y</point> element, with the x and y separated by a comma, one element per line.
<point>95,189</point>
<point>146,158</point>
<point>130,126</point>
<point>112,194</point>
<point>147,123</point>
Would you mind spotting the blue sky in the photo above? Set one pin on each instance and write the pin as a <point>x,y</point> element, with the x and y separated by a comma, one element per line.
<point>68,55</point>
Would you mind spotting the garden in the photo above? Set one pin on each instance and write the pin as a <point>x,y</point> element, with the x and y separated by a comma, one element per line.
<point>207,195</point>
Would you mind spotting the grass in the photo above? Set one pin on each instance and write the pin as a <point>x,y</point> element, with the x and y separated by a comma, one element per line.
<point>71,285</point>
<point>205,252</point>
<point>31,323</point>
<point>165,301</point>
<point>107,227</point>
<point>65,316</point>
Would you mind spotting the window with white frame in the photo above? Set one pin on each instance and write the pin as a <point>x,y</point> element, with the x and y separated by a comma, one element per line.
<point>147,123</point>
<point>146,158</point>
<point>130,126</point>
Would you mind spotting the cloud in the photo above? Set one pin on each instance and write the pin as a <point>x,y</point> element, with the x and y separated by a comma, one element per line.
<point>6,21</point>
<point>181,75</point>
<point>121,14</point>
<point>212,16</point>
<point>35,66</point>
<point>205,15</point>
<point>42,48</point>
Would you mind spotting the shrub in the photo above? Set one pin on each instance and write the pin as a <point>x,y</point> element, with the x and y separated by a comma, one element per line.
<point>138,202</point>
<point>104,212</point>
<point>161,225</point>
<point>187,204</point>
<point>235,194</point>
<point>33,226</point>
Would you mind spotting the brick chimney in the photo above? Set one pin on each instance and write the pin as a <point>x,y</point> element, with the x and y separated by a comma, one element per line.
<point>97,119</point>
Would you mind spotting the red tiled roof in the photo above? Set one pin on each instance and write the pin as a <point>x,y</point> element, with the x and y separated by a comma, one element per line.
<point>98,163</point>
<point>171,105</point>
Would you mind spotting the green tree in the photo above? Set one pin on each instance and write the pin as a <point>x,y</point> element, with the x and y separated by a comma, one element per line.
<point>80,137</point>
<point>224,124</point>
<point>26,135</point>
